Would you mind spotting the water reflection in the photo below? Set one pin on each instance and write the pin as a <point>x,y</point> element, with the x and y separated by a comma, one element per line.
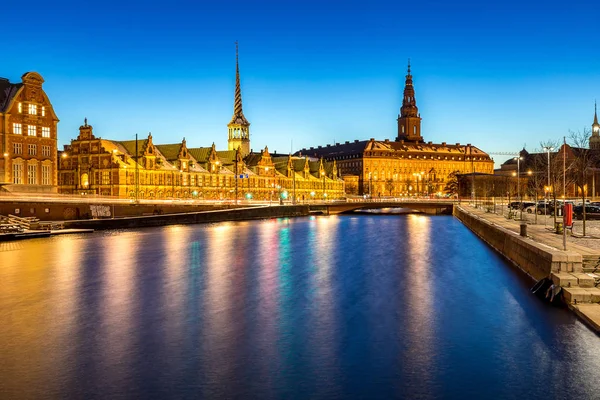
<point>327,307</point>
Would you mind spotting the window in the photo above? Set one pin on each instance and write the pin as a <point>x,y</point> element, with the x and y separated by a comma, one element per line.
<point>32,109</point>
<point>20,108</point>
<point>46,169</point>
<point>46,151</point>
<point>185,181</point>
<point>32,149</point>
<point>31,131</point>
<point>17,129</point>
<point>18,174</point>
<point>43,111</point>
<point>45,131</point>
<point>105,177</point>
<point>31,174</point>
<point>18,148</point>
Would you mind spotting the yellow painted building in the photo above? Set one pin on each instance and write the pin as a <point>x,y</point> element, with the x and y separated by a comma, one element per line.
<point>140,169</point>
<point>407,166</point>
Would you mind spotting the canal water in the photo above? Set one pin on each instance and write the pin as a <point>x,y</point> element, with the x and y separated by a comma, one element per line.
<point>347,307</point>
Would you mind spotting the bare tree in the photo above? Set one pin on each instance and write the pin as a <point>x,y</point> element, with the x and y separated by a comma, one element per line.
<point>582,162</point>
<point>555,171</point>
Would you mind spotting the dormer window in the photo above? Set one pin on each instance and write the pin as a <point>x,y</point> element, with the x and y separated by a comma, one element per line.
<point>43,111</point>
<point>183,165</point>
<point>20,108</point>
<point>32,109</point>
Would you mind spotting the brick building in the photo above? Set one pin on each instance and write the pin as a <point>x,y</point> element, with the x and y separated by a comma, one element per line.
<point>28,136</point>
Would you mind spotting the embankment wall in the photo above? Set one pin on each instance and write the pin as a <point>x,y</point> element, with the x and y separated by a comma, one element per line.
<point>534,258</point>
<point>238,214</point>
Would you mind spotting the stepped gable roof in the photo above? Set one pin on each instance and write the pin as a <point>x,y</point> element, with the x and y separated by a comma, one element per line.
<point>252,159</point>
<point>7,92</point>
<point>226,156</point>
<point>129,146</point>
<point>200,153</point>
<point>169,151</point>
<point>337,150</point>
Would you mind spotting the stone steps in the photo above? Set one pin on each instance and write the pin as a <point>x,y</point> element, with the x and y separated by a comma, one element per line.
<point>590,263</point>
<point>577,295</point>
<point>578,287</point>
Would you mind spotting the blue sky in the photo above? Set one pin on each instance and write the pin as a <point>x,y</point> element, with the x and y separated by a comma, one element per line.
<point>499,75</point>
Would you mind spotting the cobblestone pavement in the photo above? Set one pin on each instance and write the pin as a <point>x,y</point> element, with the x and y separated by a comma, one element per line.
<point>592,228</point>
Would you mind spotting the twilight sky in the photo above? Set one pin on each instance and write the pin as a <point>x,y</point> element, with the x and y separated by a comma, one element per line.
<point>499,75</point>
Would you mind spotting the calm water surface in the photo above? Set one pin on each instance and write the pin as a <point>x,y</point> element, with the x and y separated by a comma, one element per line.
<point>328,307</point>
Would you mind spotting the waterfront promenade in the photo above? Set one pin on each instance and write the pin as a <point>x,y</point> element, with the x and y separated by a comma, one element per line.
<point>543,235</point>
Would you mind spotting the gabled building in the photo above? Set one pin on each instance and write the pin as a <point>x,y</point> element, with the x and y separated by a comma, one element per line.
<point>28,136</point>
<point>141,169</point>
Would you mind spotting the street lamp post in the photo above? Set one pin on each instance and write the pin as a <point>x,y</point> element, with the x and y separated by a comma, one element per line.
<point>547,149</point>
<point>519,185</point>
<point>323,175</point>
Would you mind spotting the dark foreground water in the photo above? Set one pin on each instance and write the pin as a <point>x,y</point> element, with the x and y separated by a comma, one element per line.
<point>329,307</point>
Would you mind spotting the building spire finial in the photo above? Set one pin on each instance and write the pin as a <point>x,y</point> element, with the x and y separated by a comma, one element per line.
<point>409,66</point>
<point>85,121</point>
<point>595,113</point>
<point>237,105</point>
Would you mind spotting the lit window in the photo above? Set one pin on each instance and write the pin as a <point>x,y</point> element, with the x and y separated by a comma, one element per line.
<point>17,173</point>
<point>17,129</point>
<point>32,174</point>
<point>20,108</point>
<point>45,131</point>
<point>46,171</point>
<point>31,131</point>
<point>43,111</point>
<point>33,109</point>
<point>46,151</point>
<point>32,149</point>
<point>18,148</point>
<point>105,177</point>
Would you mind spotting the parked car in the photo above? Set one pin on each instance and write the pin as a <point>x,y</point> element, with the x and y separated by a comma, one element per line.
<point>541,209</point>
<point>518,205</point>
<point>591,212</point>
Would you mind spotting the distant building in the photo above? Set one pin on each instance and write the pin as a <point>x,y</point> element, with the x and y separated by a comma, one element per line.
<point>28,136</point>
<point>144,170</point>
<point>532,168</point>
<point>407,166</point>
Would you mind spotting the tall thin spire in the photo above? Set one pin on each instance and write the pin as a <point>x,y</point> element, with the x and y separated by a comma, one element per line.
<point>595,113</point>
<point>409,103</point>
<point>239,127</point>
<point>238,114</point>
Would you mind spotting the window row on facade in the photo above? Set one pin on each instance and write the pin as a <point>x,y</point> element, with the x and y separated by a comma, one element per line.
<point>32,149</point>
<point>31,173</point>
<point>32,109</point>
<point>19,129</point>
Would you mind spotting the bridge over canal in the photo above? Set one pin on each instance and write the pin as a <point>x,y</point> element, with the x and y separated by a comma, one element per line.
<point>426,206</point>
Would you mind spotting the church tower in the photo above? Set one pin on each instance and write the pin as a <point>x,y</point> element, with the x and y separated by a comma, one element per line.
<point>238,127</point>
<point>409,120</point>
<point>595,138</point>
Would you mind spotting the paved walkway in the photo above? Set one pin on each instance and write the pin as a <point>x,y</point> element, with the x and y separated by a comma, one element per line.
<point>543,233</point>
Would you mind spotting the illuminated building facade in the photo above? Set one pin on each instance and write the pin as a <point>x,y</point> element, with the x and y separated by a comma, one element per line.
<point>140,169</point>
<point>28,136</point>
<point>407,166</point>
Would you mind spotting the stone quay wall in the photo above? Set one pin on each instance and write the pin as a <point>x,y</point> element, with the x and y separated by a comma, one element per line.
<point>535,259</point>
<point>238,214</point>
